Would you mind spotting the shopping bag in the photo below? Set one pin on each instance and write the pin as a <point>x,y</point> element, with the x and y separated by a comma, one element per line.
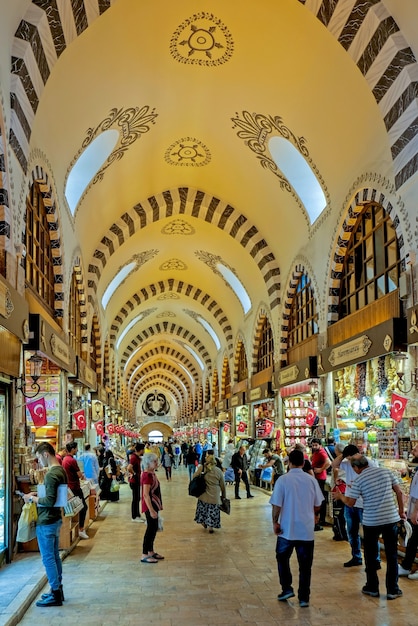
<point>197,486</point>
<point>26,528</point>
<point>225,505</point>
<point>115,486</point>
<point>160,522</point>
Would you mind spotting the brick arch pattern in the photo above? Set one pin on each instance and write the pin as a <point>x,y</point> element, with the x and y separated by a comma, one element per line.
<point>174,286</point>
<point>262,315</point>
<point>177,332</point>
<point>161,365</point>
<point>372,39</point>
<point>41,177</point>
<point>299,269</point>
<point>106,364</point>
<point>240,341</point>
<point>161,380</point>
<point>361,198</point>
<point>83,303</point>
<point>170,353</point>
<point>215,383</point>
<point>187,201</point>
<point>5,213</point>
<point>225,366</point>
<point>95,326</point>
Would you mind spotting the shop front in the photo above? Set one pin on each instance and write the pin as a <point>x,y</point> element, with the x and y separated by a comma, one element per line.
<point>14,330</point>
<point>99,415</point>
<point>223,416</point>
<point>242,425</point>
<point>263,427</point>
<point>299,396</point>
<point>79,404</point>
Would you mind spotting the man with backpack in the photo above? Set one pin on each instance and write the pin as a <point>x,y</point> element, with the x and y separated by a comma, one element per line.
<point>274,461</point>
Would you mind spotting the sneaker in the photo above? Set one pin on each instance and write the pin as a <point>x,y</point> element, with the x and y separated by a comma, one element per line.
<point>138,520</point>
<point>403,572</point>
<point>370,592</point>
<point>303,604</point>
<point>353,562</point>
<point>393,596</point>
<point>285,595</point>
<point>318,527</point>
<point>83,535</point>
<point>413,576</point>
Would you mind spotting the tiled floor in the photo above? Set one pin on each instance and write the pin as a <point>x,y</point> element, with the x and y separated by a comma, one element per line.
<point>227,578</point>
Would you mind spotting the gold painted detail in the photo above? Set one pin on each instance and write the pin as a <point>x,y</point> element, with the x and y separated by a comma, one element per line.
<point>6,304</point>
<point>173,264</point>
<point>178,227</point>
<point>413,328</point>
<point>60,349</point>
<point>166,314</point>
<point>350,351</point>
<point>202,39</point>
<point>168,296</point>
<point>387,343</point>
<point>288,375</point>
<point>188,152</point>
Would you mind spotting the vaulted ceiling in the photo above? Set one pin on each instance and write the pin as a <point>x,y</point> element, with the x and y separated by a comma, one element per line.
<point>195,94</point>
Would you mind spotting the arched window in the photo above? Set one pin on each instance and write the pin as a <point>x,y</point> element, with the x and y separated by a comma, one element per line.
<point>372,264</point>
<point>215,387</point>
<point>303,318</point>
<point>265,348</point>
<point>93,351</point>
<point>242,363</point>
<point>39,261</point>
<point>74,321</point>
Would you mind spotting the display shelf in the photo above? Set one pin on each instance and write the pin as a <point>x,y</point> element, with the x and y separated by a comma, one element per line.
<point>296,430</point>
<point>69,531</point>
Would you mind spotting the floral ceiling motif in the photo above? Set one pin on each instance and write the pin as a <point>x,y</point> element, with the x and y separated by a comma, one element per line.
<point>173,264</point>
<point>178,227</point>
<point>202,39</point>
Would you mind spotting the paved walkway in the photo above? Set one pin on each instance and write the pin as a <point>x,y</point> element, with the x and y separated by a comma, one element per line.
<point>225,579</point>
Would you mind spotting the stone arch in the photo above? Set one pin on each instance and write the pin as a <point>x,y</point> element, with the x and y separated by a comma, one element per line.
<point>171,353</point>
<point>299,268</point>
<point>262,315</point>
<point>5,210</point>
<point>39,175</point>
<point>81,288</point>
<point>172,286</point>
<point>240,341</point>
<point>161,366</point>
<point>187,201</point>
<point>356,206</point>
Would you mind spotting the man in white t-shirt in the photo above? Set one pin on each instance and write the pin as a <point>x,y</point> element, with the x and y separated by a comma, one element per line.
<point>377,486</point>
<point>296,501</point>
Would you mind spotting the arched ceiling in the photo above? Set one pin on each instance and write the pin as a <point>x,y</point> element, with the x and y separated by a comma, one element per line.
<point>195,96</point>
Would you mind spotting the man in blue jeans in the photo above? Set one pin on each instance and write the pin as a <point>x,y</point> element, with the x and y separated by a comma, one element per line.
<point>296,501</point>
<point>49,523</point>
<point>376,485</point>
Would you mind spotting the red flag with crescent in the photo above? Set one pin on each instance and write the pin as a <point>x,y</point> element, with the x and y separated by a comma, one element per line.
<point>268,425</point>
<point>310,416</point>
<point>110,429</point>
<point>80,419</point>
<point>99,428</point>
<point>242,427</point>
<point>37,410</point>
<point>397,408</point>
<point>227,428</point>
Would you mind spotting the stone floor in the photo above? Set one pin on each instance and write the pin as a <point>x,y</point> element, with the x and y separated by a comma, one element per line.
<point>227,578</point>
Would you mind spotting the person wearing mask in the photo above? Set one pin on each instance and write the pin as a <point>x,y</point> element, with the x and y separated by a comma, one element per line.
<point>49,523</point>
<point>207,508</point>
<point>377,485</point>
<point>74,475</point>
<point>320,463</point>
<point>134,473</point>
<point>239,463</point>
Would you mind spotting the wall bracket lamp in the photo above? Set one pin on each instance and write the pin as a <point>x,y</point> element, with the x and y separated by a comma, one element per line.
<point>401,358</point>
<point>35,364</point>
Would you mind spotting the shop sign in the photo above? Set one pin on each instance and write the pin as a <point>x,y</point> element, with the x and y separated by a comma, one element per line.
<point>6,303</point>
<point>255,394</point>
<point>60,349</point>
<point>288,375</point>
<point>210,412</point>
<point>14,311</point>
<point>86,375</point>
<point>350,351</point>
<point>412,316</point>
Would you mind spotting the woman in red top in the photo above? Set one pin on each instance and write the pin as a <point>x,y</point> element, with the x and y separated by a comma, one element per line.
<point>151,504</point>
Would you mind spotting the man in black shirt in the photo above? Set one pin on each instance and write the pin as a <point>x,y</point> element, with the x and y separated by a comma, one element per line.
<point>239,464</point>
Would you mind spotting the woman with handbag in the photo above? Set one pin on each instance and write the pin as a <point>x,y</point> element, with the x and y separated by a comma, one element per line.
<point>207,509</point>
<point>107,476</point>
<point>151,505</point>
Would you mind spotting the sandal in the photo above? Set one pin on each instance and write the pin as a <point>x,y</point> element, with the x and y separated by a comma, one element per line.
<point>149,559</point>
<point>157,556</point>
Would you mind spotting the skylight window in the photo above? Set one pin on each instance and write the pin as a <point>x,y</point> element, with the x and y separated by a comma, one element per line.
<point>236,286</point>
<point>87,165</point>
<point>127,329</point>
<point>300,175</point>
<point>210,330</point>
<point>194,355</point>
<point>114,284</point>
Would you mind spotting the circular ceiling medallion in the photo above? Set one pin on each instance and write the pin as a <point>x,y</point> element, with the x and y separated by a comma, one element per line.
<point>202,40</point>
<point>178,227</point>
<point>188,152</point>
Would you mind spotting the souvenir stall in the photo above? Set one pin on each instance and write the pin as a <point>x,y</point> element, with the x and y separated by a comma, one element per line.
<point>242,424</point>
<point>263,429</point>
<point>225,425</point>
<point>14,330</point>
<point>299,393</point>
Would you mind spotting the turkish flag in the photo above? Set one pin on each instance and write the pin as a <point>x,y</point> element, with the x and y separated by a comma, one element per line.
<point>310,416</point>
<point>80,419</point>
<point>242,427</point>
<point>37,410</point>
<point>99,428</point>
<point>227,428</point>
<point>397,408</point>
<point>268,425</point>
<point>110,429</point>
